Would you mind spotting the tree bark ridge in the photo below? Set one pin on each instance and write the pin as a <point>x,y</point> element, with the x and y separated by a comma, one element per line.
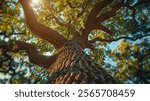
<point>74,66</point>
<point>40,30</point>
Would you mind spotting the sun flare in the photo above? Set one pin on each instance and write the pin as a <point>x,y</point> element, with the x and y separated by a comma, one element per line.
<point>35,2</point>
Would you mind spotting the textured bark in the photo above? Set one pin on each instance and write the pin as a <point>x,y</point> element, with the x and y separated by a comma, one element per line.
<point>40,30</point>
<point>74,66</point>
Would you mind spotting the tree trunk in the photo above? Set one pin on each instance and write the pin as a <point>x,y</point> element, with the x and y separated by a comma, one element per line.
<point>74,66</point>
<point>70,64</point>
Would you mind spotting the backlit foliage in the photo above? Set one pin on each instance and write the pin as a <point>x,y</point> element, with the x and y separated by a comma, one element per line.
<point>127,61</point>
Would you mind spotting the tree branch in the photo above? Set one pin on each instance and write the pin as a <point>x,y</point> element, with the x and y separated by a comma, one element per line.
<point>83,9</point>
<point>40,30</point>
<point>92,17</point>
<point>133,8</point>
<point>117,39</point>
<point>1,3</point>
<point>103,28</point>
<point>109,14</point>
<point>116,7</point>
<point>69,4</point>
<point>112,13</point>
<point>60,22</point>
<point>141,1</point>
<point>34,56</point>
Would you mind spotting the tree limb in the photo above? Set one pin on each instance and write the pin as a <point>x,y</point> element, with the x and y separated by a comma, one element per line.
<point>40,30</point>
<point>116,7</point>
<point>34,56</point>
<point>111,13</point>
<point>1,3</point>
<point>141,1</point>
<point>92,17</point>
<point>60,22</point>
<point>103,28</point>
<point>133,8</point>
<point>69,4</point>
<point>83,9</point>
<point>117,39</point>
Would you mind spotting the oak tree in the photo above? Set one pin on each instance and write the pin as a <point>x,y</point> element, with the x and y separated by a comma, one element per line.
<point>75,32</point>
